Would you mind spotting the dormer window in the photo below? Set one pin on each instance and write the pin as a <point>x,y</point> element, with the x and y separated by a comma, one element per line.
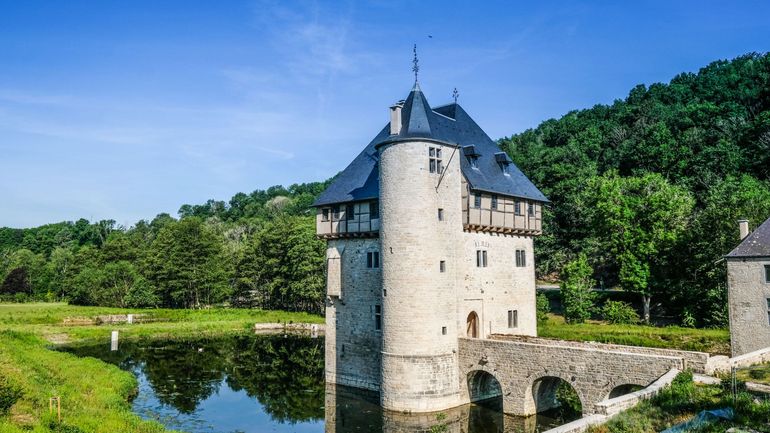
<point>472,155</point>
<point>503,160</point>
<point>434,160</point>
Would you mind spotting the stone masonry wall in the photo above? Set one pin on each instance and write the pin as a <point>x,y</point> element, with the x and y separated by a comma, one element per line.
<point>748,306</point>
<point>352,343</point>
<point>501,286</point>
<point>593,373</point>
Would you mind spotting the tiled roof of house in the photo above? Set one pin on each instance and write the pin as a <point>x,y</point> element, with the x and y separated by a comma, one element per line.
<point>756,244</point>
<point>448,124</point>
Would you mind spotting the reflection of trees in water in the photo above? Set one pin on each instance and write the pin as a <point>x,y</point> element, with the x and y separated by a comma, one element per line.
<point>285,373</point>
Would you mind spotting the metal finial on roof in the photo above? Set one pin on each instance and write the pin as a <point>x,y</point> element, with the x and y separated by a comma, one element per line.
<point>416,62</point>
<point>455,94</point>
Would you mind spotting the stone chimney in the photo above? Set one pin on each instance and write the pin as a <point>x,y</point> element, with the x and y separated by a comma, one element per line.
<point>743,227</point>
<point>395,118</point>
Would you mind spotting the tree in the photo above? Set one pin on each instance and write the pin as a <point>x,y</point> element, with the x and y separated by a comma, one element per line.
<point>186,264</point>
<point>282,267</point>
<point>16,282</point>
<point>642,218</point>
<point>577,290</point>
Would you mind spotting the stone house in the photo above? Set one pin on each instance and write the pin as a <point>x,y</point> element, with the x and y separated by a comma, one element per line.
<point>748,289</point>
<point>429,238</point>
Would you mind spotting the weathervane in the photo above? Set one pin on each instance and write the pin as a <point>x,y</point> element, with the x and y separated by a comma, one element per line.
<point>455,94</point>
<point>416,62</point>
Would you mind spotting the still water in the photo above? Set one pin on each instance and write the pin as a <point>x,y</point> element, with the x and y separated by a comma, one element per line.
<point>271,383</point>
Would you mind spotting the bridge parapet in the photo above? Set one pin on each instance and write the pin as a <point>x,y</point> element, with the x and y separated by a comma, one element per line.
<point>529,372</point>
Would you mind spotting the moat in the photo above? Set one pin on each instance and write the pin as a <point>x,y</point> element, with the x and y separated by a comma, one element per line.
<point>275,383</point>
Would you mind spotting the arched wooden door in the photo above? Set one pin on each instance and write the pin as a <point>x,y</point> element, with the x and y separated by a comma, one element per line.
<point>472,325</point>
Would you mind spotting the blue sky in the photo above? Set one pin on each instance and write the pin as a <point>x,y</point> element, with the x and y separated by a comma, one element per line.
<point>124,110</point>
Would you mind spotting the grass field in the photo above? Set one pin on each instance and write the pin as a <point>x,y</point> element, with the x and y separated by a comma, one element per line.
<point>94,395</point>
<point>714,341</point>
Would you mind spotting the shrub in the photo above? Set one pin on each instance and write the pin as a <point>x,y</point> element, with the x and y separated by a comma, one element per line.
<point>10,393</point>
<point>543,306</point>
<point>577,290</point>
<point>619,312</point>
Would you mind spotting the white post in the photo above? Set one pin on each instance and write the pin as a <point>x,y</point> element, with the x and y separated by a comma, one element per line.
<point>114,341</point>
<point>130,319</point>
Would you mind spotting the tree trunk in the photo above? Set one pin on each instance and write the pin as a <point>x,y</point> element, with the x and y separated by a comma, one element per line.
<point>646,313</point>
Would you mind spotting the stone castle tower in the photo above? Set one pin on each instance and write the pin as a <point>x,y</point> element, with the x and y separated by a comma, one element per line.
<point>429,233</point>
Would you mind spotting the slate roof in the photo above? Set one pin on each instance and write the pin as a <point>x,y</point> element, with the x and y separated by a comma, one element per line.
<point>756,244</point>
<point>449,124</point>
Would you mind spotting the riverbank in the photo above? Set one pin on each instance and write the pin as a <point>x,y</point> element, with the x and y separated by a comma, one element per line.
<point>94,395</point>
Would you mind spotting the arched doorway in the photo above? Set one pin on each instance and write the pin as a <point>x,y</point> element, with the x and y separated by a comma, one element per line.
<point>472,325</point>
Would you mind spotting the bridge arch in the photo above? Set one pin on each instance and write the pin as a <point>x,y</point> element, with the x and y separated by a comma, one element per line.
<point>623,389</point>
<point>484,386</point>
<point>544,392</point>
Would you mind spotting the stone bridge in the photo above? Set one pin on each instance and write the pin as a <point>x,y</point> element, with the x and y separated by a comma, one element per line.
<point>526,372</point>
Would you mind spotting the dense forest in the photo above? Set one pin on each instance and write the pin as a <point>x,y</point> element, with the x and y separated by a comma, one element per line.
<point>645,193</point>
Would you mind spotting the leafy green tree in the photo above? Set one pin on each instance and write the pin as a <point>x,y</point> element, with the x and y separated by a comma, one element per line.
<point>642,218</point>
<point>282,267</point>
<point>185,263</point>
<point>577,290</point>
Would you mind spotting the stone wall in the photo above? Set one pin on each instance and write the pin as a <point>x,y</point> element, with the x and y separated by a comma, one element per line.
<point>748,295</point>
<point>352,343</point>
<point>695,361</point>
<point>592,372</point>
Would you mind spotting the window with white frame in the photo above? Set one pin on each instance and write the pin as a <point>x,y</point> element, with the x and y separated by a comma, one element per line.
<point>517,207</point>
<point>434,160</point>
<point>531,209</point>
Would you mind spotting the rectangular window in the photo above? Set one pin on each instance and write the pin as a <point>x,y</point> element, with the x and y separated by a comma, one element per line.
<point>374,209</point>
<point>350,212</point>
<point>373,259</point>
<point>477,200</point>
<point>521,258</point>
<point>513,318</point>
<point>517,207</point>
<point>336,212</point>
<point>441,214</point>
<point>378,317</point>
<point>767,273</point>
<point>325,214</point>
<point>443,330</point>
<point>768,310</point>
<point>442,266</point>
<point>531,209</point>
<point>494,202</point>
<point>434,160</point>
<point>481,258</point>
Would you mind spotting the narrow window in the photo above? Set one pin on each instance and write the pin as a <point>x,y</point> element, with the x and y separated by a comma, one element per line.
<point>513,318</point>
<point>373,259</point>
<point>517,207</point>
<point>434,160</point>
<point>768,310</point>
<point>767,273</point>
<point>521,258</point>
<point>443,330</point>
<point>336,212</point>
<point>477,200</point>
<point>377,317</point>
<point>494,202</point>
<point>481,258</point>
<point>325,214</point>
<point>350,212</point>
<point>531,209</point>
<point>374,209</point>
<point>442,266</point>
<point>441,214</point>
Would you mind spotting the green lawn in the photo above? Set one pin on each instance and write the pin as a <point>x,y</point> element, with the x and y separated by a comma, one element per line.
<point>95,395</point>
<point>714,341</point>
